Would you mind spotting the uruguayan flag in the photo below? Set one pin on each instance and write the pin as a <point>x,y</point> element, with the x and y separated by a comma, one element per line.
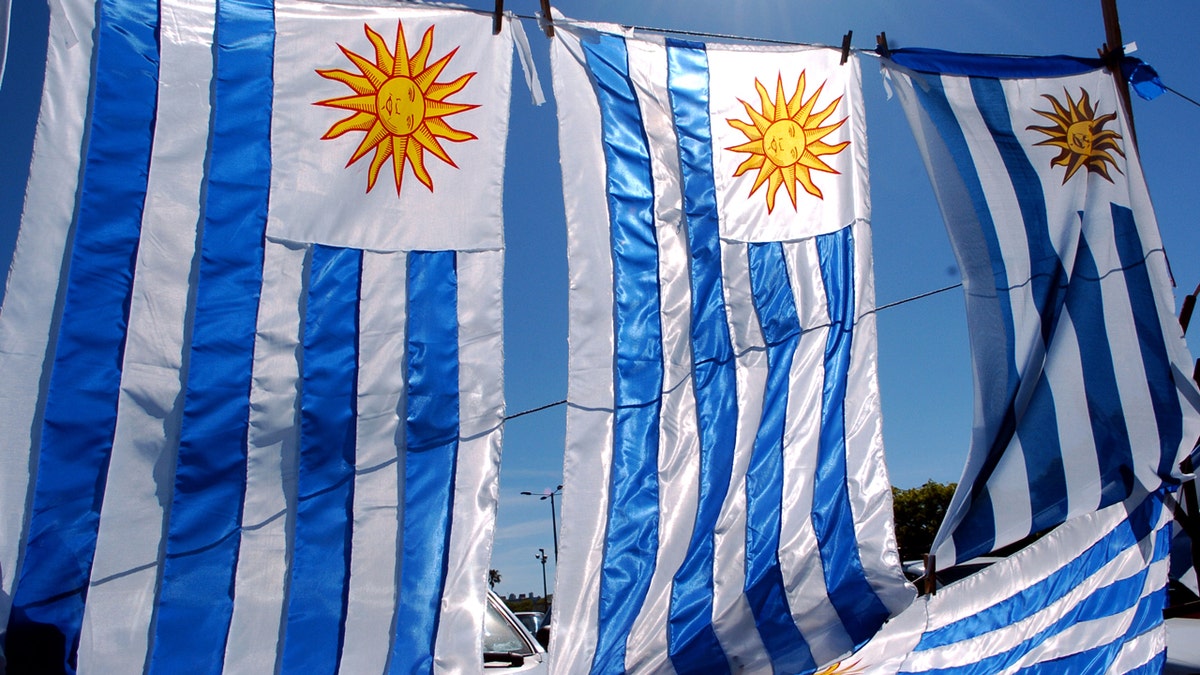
<point>1081,391</point>
<point>250,359</point>
<point>727,506</point>
<point>1087,598</point>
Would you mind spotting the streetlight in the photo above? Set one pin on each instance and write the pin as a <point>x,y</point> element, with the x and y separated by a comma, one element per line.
<point>549,494</point>
<point>541,557</point>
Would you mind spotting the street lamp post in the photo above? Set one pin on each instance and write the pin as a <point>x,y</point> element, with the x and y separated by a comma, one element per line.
<point>549,494</point>
<point>541,557</point>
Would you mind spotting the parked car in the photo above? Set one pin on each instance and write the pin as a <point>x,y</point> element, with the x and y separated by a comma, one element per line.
<point>532,620</point>
<point>507,644</point>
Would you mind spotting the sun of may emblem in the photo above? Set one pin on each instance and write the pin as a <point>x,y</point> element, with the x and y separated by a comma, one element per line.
<point>1079,135</point>
<point>785,140</point>
<point>400,106</point>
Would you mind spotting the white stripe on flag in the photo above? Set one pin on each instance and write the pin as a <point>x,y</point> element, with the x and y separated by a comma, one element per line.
<point>273,439</point>
<point>370,610</point>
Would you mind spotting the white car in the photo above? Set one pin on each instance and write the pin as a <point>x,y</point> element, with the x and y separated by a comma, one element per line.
<point>507,644</point>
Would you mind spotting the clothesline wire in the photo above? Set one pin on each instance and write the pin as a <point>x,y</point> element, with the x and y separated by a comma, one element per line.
<point>691,33</point>
<point>1189,99</point>
<point>880,308</point>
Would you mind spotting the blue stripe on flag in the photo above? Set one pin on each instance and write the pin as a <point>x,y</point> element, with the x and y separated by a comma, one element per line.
<point>764,585</point>
<point>81,403</point>
<point>1168,413</point>
<point>319,583</point>
<point>631,542</point>
<point>431,454</point>
<point>1038,428</point>
<point>1114,453</point>
<point>976,532</point>
<point>693,643</point>
<point>1055,586</point>
<point>195,601</point>
<point>940,62</point>
<point>861,611</point>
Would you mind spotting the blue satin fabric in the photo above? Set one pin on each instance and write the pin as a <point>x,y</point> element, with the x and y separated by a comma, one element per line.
<point>1106,416</point>
<point>81,403</point>
<point>1108,601</point>
<point>692,642</point>
<point>631,544</point>
<point>1159,372</point>
<point>976,534</point>
<point>431,453</point>
<point>320,579</point>
<point>764,585</point>
<point>861,611</point>
<point>195,601</point>
<point>1038,425</point>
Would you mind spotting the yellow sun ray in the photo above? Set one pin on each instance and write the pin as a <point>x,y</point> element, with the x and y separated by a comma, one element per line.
<point>364,104</point>
<point>437,92</point>
<point>383,54</point>
<point>399,105</point>
<point>372,72</point>
<point>400,65</point>
<point>357,122</point>
<point>751,162</point>
<point>374,137</point>
<point>784,139</point>
<point>358,83</point>
<point>383,151</point>
<point>417,62</point>
<point>796,100</point>
<point>1079,135</point>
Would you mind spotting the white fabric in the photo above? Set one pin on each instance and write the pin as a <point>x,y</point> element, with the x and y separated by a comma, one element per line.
<point>464,201</point>
<point>273,446</point>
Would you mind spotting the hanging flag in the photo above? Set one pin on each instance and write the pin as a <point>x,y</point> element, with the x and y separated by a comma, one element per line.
<point>727,507</point>
<point>268,340</point>
<point>1080,393</point>
<point>1086,598</point>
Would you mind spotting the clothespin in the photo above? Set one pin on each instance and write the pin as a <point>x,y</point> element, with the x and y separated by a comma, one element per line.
<point>547,19</point>
<point>497,17</point>
<point>846,46</point>
<point>881,45</point>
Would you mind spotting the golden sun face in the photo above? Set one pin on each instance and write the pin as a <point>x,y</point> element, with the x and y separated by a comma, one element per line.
<point>399,105</point>
<point>784,139</point>
<point>1080,136</point>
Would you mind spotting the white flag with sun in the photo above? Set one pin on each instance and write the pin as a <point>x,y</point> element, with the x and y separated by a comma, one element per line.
<point>410,112</point>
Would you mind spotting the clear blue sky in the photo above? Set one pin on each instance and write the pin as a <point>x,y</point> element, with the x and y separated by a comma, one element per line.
<point>925,375</point>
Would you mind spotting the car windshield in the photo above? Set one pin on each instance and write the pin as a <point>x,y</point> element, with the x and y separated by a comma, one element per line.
<point>501,636</point>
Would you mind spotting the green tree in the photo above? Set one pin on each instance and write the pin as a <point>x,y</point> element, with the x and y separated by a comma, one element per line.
<point>919,512</point>
<point>493,578</point>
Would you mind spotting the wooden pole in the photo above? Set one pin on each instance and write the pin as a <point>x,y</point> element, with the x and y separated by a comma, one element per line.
<point>1113,52</point>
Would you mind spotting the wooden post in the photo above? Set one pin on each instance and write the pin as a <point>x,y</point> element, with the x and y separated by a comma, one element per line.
<point>1112,53</point>
<point>930,578</point>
